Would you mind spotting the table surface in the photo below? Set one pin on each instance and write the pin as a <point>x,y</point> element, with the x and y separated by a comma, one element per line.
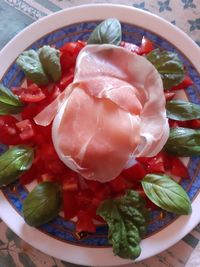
<point>15,16</point>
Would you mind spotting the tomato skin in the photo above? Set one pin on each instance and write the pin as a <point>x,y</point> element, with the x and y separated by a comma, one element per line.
<point>194,124</point>
<point>65,81</point>
<point>135,173</point>
<point>26,129</point>
<point>70,206</point>
<point>85,222</point>
<point>146,46</point>
<point>70,182</point>
<point>29,176</point>
<point>31,94</point>
<point>118,184</point>
<point>9,133</point>
<point>69,53</point>
<point>184,84</point>
<point>169,95</point>
<point>153,164</point>
<point>178,168</point>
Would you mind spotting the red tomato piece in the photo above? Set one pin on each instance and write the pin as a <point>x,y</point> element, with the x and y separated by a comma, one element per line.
<point>70,181</point>
<point>69,53</point>
<point>70,206</point>
<point>178,168</point>
<point>66,80</point>
<point>84,198</point>
<point>194,124</point>
<point>9,133</point>
<point>30,94</point>
<point>85,222</point>
<point>184,84</point>
<point>119,184</point>
<point>29,176</point>
<point>169,95</point>
<point>153,164</point>
<point>135,173</point>
<point>146,46</point>
<point>172,123</point>
<point>25,129</point>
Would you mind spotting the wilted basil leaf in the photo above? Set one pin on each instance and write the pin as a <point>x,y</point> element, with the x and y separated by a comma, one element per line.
<point>9,103</point>
<point>30,63</point>
<point>107,32</point>
<point>42,204</point>
<point>127,219</point>
<point>169,66</point>
<point>166,193</point>
<point>182,111</point>
<point>50,59</point>
<point>15,162</point>
<point>183,142</point>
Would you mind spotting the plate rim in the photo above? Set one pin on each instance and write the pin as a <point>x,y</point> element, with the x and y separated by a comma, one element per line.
<point>184,43</point>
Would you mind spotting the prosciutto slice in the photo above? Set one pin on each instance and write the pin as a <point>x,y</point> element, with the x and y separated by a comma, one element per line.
<point>112,112</point>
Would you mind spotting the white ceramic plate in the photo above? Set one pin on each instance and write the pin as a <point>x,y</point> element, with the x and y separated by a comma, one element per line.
<point>72,24</point>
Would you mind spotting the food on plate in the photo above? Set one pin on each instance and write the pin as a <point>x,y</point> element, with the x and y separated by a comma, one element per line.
<point>100,129</point>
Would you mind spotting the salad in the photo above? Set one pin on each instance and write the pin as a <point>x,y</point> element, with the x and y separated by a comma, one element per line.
<point>98,125</point>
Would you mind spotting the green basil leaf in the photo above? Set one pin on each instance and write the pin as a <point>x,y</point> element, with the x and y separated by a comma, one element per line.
<point>9,103</point>
<point>182,110</point>
<point>14,162</point>
<point>50,59</point>
<point>166,193</point>
<point>107,32</point>
<point>127,219</point>
<point>42,204</point>
<point>169,66</point>
<point>30,63</point>
<point>183,142</point>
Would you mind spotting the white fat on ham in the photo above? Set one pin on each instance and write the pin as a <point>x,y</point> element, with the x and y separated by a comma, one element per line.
<point>113,112</point>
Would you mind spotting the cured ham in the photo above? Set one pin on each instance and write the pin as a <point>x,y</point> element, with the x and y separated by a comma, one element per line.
<point>113,112</point>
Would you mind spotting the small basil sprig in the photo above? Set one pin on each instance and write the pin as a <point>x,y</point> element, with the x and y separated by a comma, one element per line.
<point>42,204</point>
<point>15,162</point>
<point>169,66</point>
<point>107,32</point>
<point>30,63</point>
<point>127,220</point>
<point>50,59</point>
<point>166,193</point>
<point>182,110</point>
<point>183,142</point>
<point>9,103</point>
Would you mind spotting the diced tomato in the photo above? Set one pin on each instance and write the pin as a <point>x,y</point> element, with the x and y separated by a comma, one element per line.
<point>70,181</point>
<point>70,206</point>
<point>69,53</point>
<point>25,129</point>
<point>184,84</point>
<point>146,46</point>
<point>194,124</point>
<point>85,222</point>
<point>153,164</point>
<point>30,94</point>
<point>169,95</point>
<point>47,177</point>
<point>9,133</point>
<point>135,173</point>
<point>172,123</point>
<point>29,176</point>
<point>66,80</point>
<point>130,47</point>
<point>84,198</point>
<point>94,186</point>
<point>119,184</point>
<point>178,168</point>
